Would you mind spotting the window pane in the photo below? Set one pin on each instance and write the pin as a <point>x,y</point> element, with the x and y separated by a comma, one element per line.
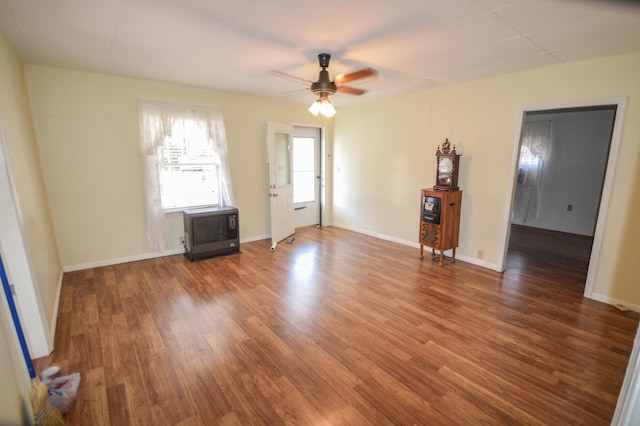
<point>304,187</point>
<point>188,144</point>
<point>283,169</point>
<point>187,186</point>
<point>303,154</point>
<point>304,170</point>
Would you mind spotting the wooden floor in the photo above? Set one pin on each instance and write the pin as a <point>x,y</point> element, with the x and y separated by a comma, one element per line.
<point>339,328</point>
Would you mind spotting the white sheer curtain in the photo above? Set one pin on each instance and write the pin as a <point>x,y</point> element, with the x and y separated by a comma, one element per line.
<point>156,123</point>
<point>534,150</point>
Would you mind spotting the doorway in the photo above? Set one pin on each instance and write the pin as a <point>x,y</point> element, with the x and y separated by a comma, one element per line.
<point>307,176</point>
<point>558,188</point>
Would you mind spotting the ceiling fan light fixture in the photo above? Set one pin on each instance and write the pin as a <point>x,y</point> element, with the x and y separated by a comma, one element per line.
<point>323,108</point>
<point>314,109</point>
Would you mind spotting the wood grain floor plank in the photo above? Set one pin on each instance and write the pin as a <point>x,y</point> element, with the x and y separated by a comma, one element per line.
<point>117,405</point>
<point>502,410</point>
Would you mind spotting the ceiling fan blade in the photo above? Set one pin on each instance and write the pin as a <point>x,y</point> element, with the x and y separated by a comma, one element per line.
<point>295,92</point>
<point>351,90</point>
<point>357,75</point>
<point>289,76</point>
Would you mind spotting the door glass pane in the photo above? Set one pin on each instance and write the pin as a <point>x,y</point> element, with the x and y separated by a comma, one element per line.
<point>283,169</point>
<point>304,175</point>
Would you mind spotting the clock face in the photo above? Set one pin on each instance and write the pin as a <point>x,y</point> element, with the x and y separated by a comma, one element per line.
<point>445,165</point>
<point>447,171</point>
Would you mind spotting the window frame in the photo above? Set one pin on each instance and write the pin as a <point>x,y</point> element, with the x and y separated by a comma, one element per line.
<point>191,128</point>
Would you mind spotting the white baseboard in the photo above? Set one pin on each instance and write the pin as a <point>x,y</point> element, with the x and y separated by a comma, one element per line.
<point>615,302</point>
<point>258,238</point>
<point>479,262</point>
<point>143,256</point>
<point>380,236</point>
<point>116,261</point>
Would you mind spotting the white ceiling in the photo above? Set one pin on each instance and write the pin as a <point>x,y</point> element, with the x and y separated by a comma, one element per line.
<point>233,45</point>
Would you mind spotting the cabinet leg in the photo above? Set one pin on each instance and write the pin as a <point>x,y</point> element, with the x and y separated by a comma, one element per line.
<point>421,251</point>
<point>453,255</point>
<point>441,258</point>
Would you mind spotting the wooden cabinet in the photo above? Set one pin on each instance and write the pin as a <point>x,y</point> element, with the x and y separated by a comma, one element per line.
<point>440,222</point>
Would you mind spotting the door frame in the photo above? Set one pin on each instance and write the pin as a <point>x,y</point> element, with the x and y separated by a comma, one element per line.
<point>19,267</point>
<point>323,167</point>
<point>607,186</point>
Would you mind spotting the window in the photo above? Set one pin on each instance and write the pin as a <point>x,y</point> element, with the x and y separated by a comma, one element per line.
<point>189,177</point>
<point>184,150</point>
<point>534,149</point>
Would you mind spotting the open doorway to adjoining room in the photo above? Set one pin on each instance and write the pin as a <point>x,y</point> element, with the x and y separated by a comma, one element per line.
<point>564,161</point>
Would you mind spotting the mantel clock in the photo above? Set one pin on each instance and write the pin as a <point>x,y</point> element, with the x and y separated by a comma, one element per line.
<point>447,167</point>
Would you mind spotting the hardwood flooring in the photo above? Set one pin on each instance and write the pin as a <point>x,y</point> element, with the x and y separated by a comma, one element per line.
<point>560,258</point>
<point>337,328</point>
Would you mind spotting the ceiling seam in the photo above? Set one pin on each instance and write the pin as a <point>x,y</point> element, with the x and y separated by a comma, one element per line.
<point>525,36</point>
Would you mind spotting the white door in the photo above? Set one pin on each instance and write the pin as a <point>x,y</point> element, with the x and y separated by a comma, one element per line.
<point>279,152</point>
<point>306,176</point>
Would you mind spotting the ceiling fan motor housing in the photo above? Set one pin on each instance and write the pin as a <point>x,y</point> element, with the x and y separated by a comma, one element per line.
<point>324,85</point>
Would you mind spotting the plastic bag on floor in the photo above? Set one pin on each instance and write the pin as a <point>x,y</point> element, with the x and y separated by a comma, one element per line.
<point>62,391</point>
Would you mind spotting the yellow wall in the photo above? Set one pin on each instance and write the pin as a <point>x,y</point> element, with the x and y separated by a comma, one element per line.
<point>384,153</point>
<point>87,132</point>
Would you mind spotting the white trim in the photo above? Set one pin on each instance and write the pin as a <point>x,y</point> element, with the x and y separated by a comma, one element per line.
<point>606,188</point>
<point>116,261</point>
<point>621,104</point>
<point>506,218</point>
<point>627,408</point>
<point>256,238</point>
<point>615,302</point>
<point>323,174</point>
<point>380,236</point>
<point>478,262</point>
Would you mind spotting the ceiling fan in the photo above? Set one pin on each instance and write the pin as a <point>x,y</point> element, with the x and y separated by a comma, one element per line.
<point>325,85</point>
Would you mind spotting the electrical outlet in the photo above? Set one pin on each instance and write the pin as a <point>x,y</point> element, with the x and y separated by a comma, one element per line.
<point>182,241</point>
<point>480,254</point>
